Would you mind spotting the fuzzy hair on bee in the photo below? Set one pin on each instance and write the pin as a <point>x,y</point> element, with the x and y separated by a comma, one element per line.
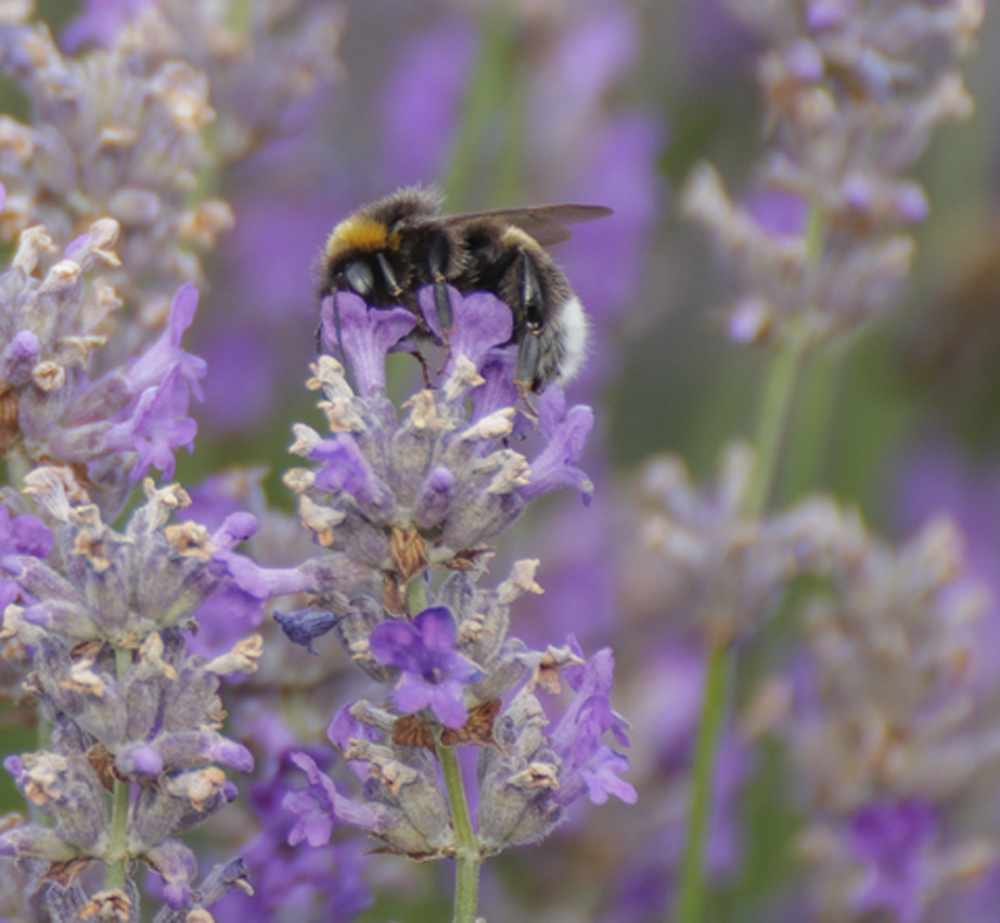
<point>387,250</point>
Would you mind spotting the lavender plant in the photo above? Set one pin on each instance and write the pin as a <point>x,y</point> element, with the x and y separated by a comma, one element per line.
<point>396,499</point>
<point>183,730</point>
<point>853,94</point>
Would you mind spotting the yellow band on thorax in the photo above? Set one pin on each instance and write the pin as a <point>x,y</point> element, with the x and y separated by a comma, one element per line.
<point>357,233</point>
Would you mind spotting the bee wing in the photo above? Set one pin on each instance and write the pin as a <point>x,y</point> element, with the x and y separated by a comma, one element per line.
<point>545,223</point>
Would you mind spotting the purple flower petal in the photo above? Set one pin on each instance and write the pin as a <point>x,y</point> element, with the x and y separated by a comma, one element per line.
<point>588,764</point>
<point>480,321</point>
<point>894,842</point>
<point>555,466</point>
<point>366,334</point>
<point>177,867</point>
<point>346,468</point>
<point>155,427</point>
<point>165,355</point>
<point>433,672</point>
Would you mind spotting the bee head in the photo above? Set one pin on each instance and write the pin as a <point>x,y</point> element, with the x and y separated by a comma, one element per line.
<point>363,253</point>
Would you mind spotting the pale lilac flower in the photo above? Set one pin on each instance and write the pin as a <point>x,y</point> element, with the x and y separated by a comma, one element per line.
<point>854,94</point>
<point>432,672</point>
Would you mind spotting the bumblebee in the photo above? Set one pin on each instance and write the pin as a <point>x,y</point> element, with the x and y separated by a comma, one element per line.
<point>387,250</point>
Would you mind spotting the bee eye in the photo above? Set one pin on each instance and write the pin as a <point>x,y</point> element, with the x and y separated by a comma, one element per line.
<point>359,278</point>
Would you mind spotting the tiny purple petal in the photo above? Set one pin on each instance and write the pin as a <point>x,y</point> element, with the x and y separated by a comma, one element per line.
<point>911,203</point>
<point>342,730</point>
<point>233,754</point>
<point>601,778</point>
<point>140,759</point>
<point>499,390</point>
<point>165,355</point>
<point>748,321</point>
<point>100,22</point>
<point>857,191</point>
<point>177,867</point>
<point>437,628</point>
<point>236,528</point>
<point>313,805</point>
<point>345,727</point>
<point>555,466</point>
<point>14,767</point>
<point>804,61</point>
<point>366,334</point>
<point>264,582</point>
<point>320,804</point>
<point>825,14</point>
<point>480,321</point>
<point>894,842</point>
<point>19,358</point>
<point>24,534</point>
<point>588,764</point>
<point>346,468</point>
<point>155,426</point>
<point>433,672</point>
<point>780,213</point>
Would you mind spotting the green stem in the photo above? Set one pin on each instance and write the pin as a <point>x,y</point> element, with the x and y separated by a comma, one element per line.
<point>467,856</point>
<point>416,595</point>
<point>118,858</point>
<point>808,455</point>
<point>780,385</point>
<point>18,468</point>
<point>779,390</point>
<point>487,93</point>
<point>691,901</point>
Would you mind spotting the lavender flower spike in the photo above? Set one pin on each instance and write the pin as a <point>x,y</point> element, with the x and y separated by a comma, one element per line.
<point>405,500</point>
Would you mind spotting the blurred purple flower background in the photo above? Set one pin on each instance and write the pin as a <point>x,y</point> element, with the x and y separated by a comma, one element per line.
<point>171,171</point>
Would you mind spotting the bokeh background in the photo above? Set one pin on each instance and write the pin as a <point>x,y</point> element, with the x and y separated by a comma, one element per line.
<point>611,102</point>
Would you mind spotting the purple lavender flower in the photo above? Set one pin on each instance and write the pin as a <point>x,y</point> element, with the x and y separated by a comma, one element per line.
<point>436,477</point>
<point>395,816</point>
<point>885,734</point>
<point>396,499</point>
<point>118,426</point>
<point>872,83</point>
<point>727,569</point>
<point>577,739</point>
<point>74,166</point>
<point>311,883</point>
<point>130,696</point>
<point>433,673</point>
<point>893,841</point>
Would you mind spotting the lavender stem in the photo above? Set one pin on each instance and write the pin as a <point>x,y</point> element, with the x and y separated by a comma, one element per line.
<point>467,856</point>
<point>783,374</point>
<point>118,868</point>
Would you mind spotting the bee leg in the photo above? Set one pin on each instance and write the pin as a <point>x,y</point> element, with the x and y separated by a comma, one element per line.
<point>526,369</point>
<point>424,369</point>
<point>437,258</point>
<point>391,285</point>
<point>529,351</point>
<point>525,393</point>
